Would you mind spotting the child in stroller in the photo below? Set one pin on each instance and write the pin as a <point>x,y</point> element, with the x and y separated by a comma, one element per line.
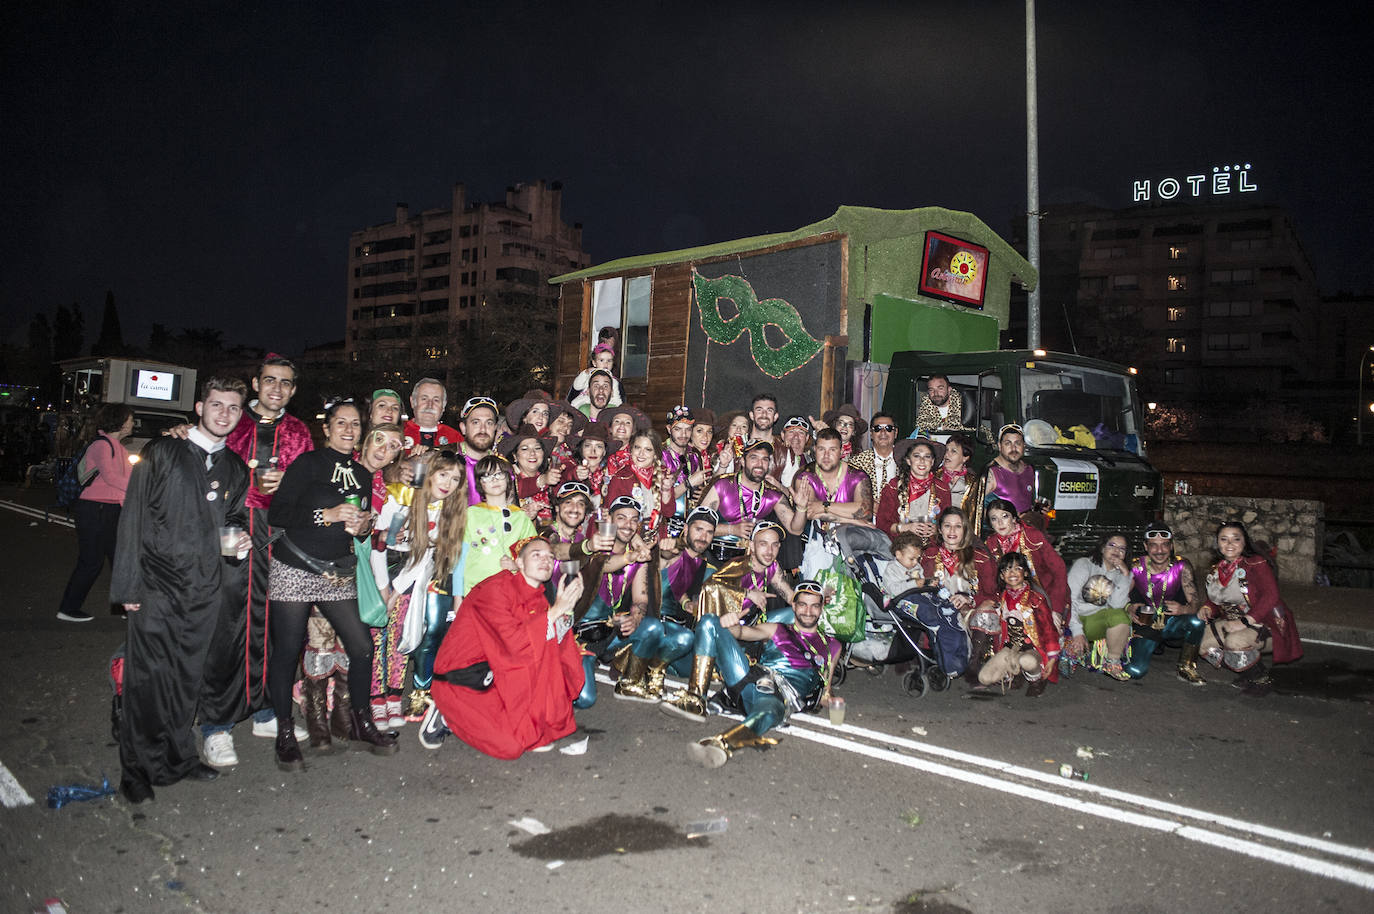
<point>918,625</point>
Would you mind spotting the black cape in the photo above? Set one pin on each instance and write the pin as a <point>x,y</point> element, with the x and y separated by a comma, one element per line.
<point>168,560</point>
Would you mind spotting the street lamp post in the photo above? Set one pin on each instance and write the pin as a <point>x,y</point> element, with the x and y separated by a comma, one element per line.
<point>1359,404</point>
<point>1032,181</point>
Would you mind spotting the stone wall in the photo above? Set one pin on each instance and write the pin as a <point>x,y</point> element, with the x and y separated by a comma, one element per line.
<point>1293,528</point>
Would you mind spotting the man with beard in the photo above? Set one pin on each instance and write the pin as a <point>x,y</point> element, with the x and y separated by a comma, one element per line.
<point>599,388</point>
<point>1009,476</point>
<point>745,497</point>
<point>612,617</point>
<point>267,439</point>
<point>831,489</point>
<point>797,660</point>
<point>763,415</point>
<point>425,429</point>
<point>683,463</point>
<point>749,586</point>
<point>1164,604</point>
<point>480,415</point>
<point>879,461</point>
<point>173,577</point>
<point>941,409</point>
<point>681,570</point>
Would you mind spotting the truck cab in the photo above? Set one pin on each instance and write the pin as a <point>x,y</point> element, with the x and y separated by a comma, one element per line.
<point>1082,422</point>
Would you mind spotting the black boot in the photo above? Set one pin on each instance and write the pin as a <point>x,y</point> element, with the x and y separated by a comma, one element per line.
<point>365,735</point>
<point>1255,681</point>
<point>289,756</point>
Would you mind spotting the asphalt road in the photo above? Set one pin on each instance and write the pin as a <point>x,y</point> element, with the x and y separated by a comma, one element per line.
<point>1198,799</point>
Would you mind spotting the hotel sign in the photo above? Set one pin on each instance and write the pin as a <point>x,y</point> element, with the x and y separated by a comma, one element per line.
<point>1224,179</point>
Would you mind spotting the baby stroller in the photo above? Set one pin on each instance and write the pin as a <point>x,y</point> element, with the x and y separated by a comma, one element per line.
<point>920,626</point>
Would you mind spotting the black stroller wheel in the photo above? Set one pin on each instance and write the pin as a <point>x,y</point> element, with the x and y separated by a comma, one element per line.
<point>913,683</point>
<point>937,679</point>
<point>839,674</point>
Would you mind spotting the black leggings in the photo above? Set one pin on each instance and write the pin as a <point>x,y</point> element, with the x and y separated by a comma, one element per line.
<point>288,625</point>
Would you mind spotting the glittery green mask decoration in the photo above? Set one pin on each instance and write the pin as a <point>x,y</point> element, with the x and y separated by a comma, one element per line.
<point>754,316</point>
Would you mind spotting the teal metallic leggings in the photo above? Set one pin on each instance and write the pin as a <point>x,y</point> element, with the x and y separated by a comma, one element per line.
<point>1189,628</point>
<point>762,710</point>
<point>437,608</point>
<point>644,643</point>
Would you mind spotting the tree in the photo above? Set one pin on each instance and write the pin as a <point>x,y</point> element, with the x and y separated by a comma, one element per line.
<point>68,331</point>
<point>111,341</point>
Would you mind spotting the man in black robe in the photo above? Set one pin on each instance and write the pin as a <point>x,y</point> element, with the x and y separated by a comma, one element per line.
<point>172,580</point>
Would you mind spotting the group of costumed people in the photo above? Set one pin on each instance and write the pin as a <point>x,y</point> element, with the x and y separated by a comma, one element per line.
<point>475,578</point>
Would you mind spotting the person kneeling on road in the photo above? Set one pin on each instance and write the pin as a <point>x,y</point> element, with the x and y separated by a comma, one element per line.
<point>797,660</point>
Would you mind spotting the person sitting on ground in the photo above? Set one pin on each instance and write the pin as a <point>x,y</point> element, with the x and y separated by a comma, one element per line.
<point>1047,570</point>
<point>1027,644</point>
<point>1099,589</point>
<point>509,668</point>
<point>1164,605</point>
<point>797,661</point>
<point>963,567</point>
<point>1244,614</point>
<point>612,617</point>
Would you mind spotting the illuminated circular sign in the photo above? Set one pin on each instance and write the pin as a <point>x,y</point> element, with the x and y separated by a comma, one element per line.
<point>963,268</point>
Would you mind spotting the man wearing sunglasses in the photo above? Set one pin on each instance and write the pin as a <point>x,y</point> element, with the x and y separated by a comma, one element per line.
<point>879,461</point>
<point>479,417</point>
<point>1163,606</point>
<point>796,452</point>
<point>425,429</point>
<point>797,660</point>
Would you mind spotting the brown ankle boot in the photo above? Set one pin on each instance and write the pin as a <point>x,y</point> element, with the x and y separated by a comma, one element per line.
<point>315,697</point>
<point>338,716</point>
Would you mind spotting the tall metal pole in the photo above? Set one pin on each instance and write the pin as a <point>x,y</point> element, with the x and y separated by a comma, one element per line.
<point>1032,181</point>
<point>1360,404</point>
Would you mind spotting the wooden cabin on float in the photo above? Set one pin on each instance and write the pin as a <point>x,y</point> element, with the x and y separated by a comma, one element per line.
<point>806,315</point>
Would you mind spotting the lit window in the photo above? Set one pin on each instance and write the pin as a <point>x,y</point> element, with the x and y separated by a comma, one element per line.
<point>1177,314</point>
<point>1178,283</point>
<point>1176,344</point>
<point>1178,252</point>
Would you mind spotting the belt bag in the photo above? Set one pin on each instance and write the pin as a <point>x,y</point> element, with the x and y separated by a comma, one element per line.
<point>477,677</point>
<point>340,572</point>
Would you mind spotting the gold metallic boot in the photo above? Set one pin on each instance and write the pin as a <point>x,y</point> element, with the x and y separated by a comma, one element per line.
<point>633,682</point>
<point>653,683</point>
<point>716,750</point>
<point>691,701</point>
<point>1187,665</point>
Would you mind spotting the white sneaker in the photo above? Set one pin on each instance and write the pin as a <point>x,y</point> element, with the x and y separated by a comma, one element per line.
<point>268,729</point>
<point>218,751</point>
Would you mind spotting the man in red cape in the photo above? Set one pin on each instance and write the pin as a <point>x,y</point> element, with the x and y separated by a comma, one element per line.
<point>509,667</point>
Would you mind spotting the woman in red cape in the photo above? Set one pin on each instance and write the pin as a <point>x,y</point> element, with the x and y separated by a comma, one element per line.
<point>535,665</point>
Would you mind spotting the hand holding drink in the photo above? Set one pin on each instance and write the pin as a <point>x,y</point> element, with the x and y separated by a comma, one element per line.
<point>232,541</point>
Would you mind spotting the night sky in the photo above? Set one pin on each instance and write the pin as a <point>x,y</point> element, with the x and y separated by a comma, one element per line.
<point>208,164</point>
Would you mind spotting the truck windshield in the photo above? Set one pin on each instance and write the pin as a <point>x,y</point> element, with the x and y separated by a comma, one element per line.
<point>1067,404</point>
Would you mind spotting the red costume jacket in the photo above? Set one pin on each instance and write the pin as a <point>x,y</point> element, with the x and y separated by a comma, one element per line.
<point>985,588</point>
<point>504,621</point>
<point>1045,637</point>
<point>1267,608</point>
<point>445,436</point>
<point>1046,565</point>
<point>889,510</point>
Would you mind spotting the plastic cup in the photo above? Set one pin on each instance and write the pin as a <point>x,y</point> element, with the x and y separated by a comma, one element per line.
<point>229,540</point>
<point>836,708</point>
<point>605,528</point>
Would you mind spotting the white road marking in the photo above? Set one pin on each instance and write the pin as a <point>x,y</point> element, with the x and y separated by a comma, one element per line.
<point>1353,647</point>
<point>847,736</point>
<point>12,793</point>
<point>51,517</point>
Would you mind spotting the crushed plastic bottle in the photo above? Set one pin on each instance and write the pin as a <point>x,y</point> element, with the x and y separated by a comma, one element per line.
<point>708,827</point>
<point>62,794</point>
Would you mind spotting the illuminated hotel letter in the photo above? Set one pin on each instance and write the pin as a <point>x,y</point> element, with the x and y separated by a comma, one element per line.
<point>1245,185</point>
<point>1168,188</point>
<point>1221,182</point>
<point>1142,191</point>
<point>1195,182</point>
